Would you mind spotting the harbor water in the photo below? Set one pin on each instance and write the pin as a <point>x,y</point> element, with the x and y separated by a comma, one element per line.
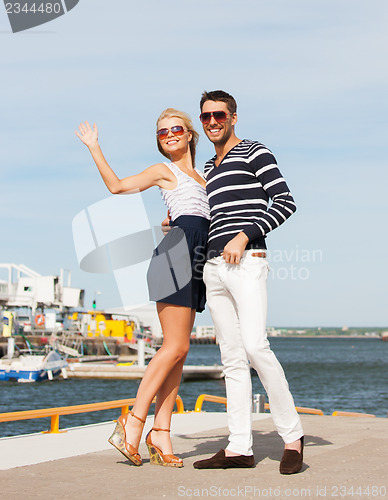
<point>347,374</point>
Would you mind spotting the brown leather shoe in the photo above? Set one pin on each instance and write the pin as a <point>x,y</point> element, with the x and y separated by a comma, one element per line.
<point>292,460</point>
<point>220,461</point>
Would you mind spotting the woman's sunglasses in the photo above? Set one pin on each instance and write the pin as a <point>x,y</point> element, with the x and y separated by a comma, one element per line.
<point>177,130</point>
<point>219,116</point>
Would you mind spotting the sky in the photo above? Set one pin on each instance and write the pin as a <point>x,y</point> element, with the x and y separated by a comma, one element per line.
<point>310,80</point>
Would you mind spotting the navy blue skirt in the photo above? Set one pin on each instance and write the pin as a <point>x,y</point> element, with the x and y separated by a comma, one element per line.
<point>176,268</point>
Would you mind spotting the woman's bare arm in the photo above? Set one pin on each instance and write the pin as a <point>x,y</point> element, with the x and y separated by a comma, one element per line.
<point>156,175</point>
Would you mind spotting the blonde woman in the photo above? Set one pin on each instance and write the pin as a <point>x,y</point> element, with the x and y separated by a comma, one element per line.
<point>183,190</point>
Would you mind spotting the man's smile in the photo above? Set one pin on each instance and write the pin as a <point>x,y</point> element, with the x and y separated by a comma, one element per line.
<point>214,131</point>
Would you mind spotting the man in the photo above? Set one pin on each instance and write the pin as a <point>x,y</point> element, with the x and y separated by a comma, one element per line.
<point>240,180</point>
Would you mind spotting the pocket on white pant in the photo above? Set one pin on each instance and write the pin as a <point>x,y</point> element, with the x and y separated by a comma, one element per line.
<point>256,266</point>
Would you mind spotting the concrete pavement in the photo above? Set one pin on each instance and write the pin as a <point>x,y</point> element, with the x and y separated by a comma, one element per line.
<point>345,457</point>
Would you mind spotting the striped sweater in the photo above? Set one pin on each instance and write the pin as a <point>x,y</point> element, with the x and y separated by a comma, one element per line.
<point>239,189</point>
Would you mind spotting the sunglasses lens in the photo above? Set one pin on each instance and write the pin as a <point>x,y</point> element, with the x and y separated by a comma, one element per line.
<point>177,130</point>
<point>205,117</point>
<point>162,133</point>
<point>220,116</point>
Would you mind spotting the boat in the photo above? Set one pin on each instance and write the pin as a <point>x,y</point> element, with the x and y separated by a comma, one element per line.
<point>33,366</point>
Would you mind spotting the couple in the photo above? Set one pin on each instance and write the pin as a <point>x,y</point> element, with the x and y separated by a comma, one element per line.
<point>232,195</point>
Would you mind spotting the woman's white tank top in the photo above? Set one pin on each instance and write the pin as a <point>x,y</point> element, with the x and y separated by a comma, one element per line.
<point>188,198</point>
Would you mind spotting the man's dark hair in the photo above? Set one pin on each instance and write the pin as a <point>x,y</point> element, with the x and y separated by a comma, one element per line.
<point>219,95</point>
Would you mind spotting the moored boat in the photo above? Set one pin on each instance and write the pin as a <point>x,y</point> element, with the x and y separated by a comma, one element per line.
<point>33,367</point>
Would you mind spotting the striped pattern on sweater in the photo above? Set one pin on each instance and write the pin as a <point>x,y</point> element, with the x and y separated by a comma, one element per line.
<point>239,190</point>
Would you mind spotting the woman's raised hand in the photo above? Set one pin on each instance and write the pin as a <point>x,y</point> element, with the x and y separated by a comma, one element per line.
<point>88,135</point>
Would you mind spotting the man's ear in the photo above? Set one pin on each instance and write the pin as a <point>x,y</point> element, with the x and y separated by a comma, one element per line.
<point>234,119</point>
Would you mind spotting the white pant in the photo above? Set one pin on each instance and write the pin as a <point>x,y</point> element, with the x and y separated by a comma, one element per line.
<point>237,299</point>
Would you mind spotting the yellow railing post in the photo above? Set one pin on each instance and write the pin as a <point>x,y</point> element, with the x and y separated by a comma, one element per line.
<point>199,402</point>
<point>54,424</point>
<point>179,404</point>
<point>124,409</point>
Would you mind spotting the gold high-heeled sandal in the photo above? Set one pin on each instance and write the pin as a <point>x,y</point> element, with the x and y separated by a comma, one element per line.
<point>156,455</point>
<point>119,441</point>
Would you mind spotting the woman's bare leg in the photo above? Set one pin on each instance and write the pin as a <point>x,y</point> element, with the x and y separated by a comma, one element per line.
<point>175,321</point>
<point>166,396</point>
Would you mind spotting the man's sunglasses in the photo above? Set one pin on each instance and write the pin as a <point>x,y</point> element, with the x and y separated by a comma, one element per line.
<point>219,116</point>
<point>177,130</point>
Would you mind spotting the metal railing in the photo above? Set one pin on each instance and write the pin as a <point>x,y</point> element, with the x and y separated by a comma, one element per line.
<point>310,411</point>
<point>124,404</point>
<point>351,414</point>
<point>211,399</point>
<point>55,413</point>
<point>300,409</point>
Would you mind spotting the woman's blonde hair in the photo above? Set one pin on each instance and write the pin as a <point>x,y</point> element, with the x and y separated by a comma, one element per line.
<point>174,113</point>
